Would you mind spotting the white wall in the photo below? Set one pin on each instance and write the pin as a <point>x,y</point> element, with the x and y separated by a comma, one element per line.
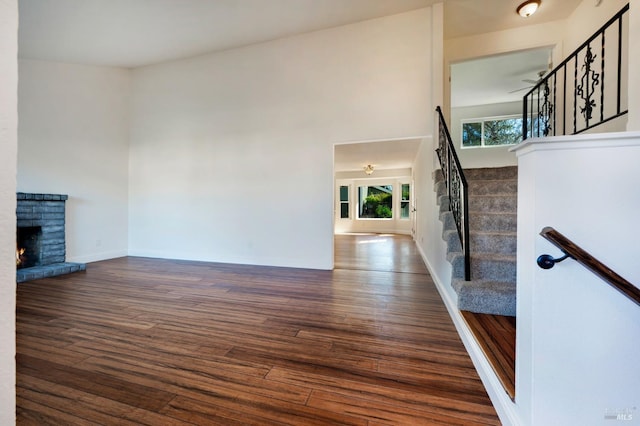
<point>394,225</point>
<point>586,19</point>
<point>428,225</point>
<point>8,150</point>
<point>73,133</point>
<point>231,153</point>
<point>459,49</point>
<point>578,338</point>
<point>465,48</point>
<point>498,156</point>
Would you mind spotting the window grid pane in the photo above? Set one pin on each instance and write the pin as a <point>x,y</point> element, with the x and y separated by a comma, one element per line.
<point>492,132</point>
<point>375,202</point>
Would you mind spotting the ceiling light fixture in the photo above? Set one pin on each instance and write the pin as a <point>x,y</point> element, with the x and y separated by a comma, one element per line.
<point>368,169</point>
<point>528,8</point>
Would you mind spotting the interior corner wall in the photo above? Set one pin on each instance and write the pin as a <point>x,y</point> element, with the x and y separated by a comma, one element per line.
<point>429,227</point>
<point>8,150</point>
<point>73,139</point>
<point>231,154</point>
<point>428,232</point>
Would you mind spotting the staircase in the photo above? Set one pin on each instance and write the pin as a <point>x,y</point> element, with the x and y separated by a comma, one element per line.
<point>492,232</point>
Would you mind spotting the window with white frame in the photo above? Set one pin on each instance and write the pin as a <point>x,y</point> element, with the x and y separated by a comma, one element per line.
<point>405,200</point>
<point>344,202</point>
<point>375,202</point>
<point>491,131</point>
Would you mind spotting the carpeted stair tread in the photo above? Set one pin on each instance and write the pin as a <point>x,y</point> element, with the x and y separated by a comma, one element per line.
<point>493,256</point>
<point>486,296</point>
<point>492,240</point>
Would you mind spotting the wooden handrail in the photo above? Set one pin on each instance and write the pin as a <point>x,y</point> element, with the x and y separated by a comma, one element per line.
<point>574,251</point>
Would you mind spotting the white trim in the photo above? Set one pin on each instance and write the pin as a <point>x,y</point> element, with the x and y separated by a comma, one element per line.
<point>577,142</point>
<point>482,120</point>
<point>96,257</point>
<point>502,403</point>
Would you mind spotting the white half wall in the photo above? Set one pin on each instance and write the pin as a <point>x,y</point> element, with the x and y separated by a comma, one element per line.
<point>231,156</point>
<point>577,337</point>
<point>586,19</point>
<point>8,148</point>
<point>73,134</point>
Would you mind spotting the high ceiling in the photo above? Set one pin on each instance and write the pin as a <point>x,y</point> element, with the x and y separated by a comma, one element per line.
<point>134,33</point>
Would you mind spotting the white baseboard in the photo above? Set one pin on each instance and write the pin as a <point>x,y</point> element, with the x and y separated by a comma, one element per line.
<point>95,257</point>
<point>505,407</point>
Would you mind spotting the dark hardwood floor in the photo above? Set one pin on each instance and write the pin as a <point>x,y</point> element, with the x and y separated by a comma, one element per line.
<point>159,342</point>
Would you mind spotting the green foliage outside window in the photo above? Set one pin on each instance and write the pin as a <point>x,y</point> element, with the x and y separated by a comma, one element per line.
<point>404,203</point>
<point>492,132</point>
<point>377,202</point>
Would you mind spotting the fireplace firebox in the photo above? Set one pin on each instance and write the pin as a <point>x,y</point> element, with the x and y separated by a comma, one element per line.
<point>28,246</point>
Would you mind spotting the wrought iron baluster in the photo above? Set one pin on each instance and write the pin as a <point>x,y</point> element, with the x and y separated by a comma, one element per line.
<point>575,94</point>
<point>456,189</point>
<point>586,89</point>
<point>555,102</point>
<point>540,104</point>
<point>602,79</point>
<point>619,63</point>
<point>564,100</point>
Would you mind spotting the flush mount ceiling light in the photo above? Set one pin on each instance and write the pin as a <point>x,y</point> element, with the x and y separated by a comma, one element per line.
<point>528,8</point>
<point>368,169</point>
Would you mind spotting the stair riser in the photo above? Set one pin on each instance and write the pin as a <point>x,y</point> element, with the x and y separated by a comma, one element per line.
<point>491,173</point>
<point>493,187</point>
<point>489,204</point>
<point>490,269</point>
<point>487,302</point>
<point>507,222</point>
<point>453,241</point>
<point>492,243</point>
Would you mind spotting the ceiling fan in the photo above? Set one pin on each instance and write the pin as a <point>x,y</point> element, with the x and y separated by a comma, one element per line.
<point>540,74</point>
<point>532,83</point>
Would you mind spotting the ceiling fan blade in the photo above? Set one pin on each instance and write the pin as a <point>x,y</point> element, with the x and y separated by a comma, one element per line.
<point>527,80</point>
<point>519,90</point>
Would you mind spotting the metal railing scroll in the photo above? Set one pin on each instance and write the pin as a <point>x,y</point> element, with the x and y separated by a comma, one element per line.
<point>457,189</point>
<point>587,89</point>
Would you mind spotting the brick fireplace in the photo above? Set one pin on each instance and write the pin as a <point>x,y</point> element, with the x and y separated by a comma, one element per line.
<point>41,247</point>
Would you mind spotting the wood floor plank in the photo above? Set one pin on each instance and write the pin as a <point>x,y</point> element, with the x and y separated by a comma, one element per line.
<point>496,335</point>
<point>151,341</point>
